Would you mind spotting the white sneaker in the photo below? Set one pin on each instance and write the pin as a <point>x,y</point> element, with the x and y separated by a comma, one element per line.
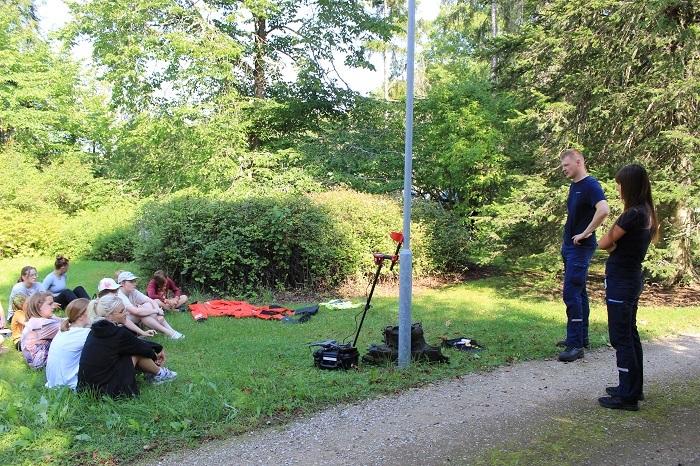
<point>177,336</point>
<point>164,375</point>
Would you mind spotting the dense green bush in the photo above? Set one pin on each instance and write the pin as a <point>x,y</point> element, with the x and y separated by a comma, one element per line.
<point>106,233</point>
<point>103,234</point>
<point>61,208</point>
<point>22,233</point>
<point>443,243</point>
<point>241,245</point>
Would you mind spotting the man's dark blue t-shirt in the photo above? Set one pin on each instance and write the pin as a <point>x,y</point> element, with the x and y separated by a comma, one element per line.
<point>580,206</point>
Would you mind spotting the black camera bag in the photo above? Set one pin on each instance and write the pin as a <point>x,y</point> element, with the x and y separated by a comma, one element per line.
<point>332,356</point>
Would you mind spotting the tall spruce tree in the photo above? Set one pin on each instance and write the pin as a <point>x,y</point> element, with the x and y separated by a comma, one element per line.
<point>620,80</point>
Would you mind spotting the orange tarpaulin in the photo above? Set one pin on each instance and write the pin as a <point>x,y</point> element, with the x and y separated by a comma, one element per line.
<point>237,309</point>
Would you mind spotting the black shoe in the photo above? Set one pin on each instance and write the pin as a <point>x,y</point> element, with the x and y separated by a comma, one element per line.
<point>562,343</point>
<point>612,391</point>
<point>571,354</point>
<point>616,402</point>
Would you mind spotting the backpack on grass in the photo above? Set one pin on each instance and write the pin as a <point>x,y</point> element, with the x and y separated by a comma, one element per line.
<point>389,351</point>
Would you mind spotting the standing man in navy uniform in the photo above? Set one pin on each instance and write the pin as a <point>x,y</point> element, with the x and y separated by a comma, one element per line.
<point>586,207</point>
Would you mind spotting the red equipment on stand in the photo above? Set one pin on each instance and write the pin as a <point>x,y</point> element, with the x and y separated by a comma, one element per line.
<point>379,260</point>
<point>334,355</point>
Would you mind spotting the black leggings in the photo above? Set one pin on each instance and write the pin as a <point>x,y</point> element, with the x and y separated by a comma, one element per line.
<point>66,296</point>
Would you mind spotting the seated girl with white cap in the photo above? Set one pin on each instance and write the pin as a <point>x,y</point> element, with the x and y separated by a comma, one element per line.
<point>109,286</point>
<point>141,308</point>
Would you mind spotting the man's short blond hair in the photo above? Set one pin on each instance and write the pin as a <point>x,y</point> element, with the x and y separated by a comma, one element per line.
<point>571,153</point>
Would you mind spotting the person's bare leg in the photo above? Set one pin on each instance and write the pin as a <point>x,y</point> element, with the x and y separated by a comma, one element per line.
<point>181,301</point>
<point>144,364</point>
<point>163,305</point>
<point>152,322</point>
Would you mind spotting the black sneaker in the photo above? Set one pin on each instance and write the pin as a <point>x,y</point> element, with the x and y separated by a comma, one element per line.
<point>571,354</point>
<point>612,391</point>
<point>617,402</point>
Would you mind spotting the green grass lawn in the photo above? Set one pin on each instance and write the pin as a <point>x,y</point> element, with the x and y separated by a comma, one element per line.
<point>238,375</point>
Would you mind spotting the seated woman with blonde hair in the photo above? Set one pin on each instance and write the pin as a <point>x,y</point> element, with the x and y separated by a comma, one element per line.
<point>108,286</point>
<point>112,354</point>
<point>67,346</point>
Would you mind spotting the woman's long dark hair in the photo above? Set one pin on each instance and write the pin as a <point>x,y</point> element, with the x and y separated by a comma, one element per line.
<point>635,190</point>
<point>161,279</point>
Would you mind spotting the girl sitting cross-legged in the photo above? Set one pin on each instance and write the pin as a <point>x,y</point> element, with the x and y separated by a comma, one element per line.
<point>159,289</point>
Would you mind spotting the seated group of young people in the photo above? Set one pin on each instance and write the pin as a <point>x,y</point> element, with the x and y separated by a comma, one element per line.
<point>99,345</point>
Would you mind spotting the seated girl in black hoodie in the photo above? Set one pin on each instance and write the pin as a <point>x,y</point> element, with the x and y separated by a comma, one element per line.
<point>112,354</point>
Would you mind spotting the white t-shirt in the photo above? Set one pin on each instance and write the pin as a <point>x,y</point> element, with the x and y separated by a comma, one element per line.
<point>136,298</point>
<point>64,357</point>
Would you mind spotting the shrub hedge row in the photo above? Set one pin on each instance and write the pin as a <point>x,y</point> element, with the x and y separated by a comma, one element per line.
<point>240,245</point>
<point>106,233</point>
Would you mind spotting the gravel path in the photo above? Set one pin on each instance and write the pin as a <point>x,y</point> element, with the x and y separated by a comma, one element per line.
<point>517,407</point>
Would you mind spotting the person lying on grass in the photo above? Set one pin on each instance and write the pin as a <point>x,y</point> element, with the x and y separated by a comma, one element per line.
<point>112,355</point>
<point>108,286</point>
<point>159,288</point>
<point>143,309</point>
<point>41,327</point>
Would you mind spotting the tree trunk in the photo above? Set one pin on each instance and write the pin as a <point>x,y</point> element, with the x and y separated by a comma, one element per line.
<point>494,33</point>
<point>685,225</point>
<point>386,58</point>
<point>259,59</point>
<point>258,72</point>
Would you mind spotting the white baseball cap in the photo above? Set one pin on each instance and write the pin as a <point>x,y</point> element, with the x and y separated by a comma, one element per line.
<point>126,276</point>
<point>107,284</point>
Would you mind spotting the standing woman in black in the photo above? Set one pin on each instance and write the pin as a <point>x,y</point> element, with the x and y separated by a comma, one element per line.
<point>627,243</point>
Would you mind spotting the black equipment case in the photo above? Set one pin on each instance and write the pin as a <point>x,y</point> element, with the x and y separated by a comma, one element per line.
<point>333,355</point>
